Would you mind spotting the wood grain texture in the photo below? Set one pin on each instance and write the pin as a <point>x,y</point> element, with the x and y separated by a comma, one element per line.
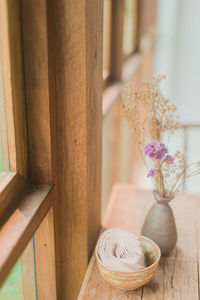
<point>3,129</point>
<point>177,277</point>
<point>117,28</point>
<point>93,115</point>
<point>12,186</point>
<point>45,259</point>
<point>75,66</point>
<point>13,83</point>
<point>36,89</point>
<point>28,272</point>
<point>34,21</point>
<point>21,225</point>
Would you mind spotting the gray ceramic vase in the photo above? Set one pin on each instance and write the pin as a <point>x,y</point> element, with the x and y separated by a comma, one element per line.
<point>160,225</point>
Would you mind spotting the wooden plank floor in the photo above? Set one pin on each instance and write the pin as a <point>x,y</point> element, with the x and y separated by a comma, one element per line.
<point>178,274</point>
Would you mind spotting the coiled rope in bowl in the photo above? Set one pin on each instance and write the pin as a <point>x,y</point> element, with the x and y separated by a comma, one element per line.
<point>125,260</point>
<point>121,250</point>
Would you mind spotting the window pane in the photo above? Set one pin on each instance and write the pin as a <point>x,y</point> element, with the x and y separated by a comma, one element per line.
<point>12,287</point>
<point>4,163</point>
<point>106,38</point>
<point>130,24</point>
<point>20,283</point>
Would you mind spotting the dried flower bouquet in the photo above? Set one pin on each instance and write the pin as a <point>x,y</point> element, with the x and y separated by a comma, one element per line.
<point>152,119</point>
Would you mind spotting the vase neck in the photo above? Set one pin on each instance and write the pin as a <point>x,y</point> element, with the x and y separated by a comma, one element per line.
<point>161,199</point>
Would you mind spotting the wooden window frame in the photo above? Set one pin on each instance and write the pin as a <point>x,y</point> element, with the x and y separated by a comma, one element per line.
<point>117,57</point>
<point>17,196</point>
<point>53,67</point>
<point>56,167</point>
<point>13,183</point>
<point>125,68</point>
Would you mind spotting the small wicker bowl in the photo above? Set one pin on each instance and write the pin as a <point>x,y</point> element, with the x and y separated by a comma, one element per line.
<point>133,280</point>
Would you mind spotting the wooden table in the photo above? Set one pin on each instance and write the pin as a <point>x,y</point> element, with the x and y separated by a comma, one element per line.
<point>178,274</point>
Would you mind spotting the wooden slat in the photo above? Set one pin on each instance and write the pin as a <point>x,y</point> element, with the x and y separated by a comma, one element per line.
<point>34,20</point>
<point>21,225</point>
<point>93,117</point>
<point>36,88</point>
<point>117,28</point>
<point>28,272</point>
<point>3,130</point>
<point>10,35</point>
<point>177,276</point>
<point>12,185</point>
<point>75,62</point>
<point>45,258</point>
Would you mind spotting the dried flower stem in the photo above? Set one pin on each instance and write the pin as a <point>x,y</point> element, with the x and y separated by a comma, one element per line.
<point>150,117</point>
<point>194,173</point>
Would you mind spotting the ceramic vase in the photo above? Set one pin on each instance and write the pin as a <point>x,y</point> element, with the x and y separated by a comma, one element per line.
<point>160,226</point>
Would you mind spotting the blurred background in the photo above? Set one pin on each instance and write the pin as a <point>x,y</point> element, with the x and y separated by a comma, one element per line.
<point>141,38</point>
<point>159,37</point>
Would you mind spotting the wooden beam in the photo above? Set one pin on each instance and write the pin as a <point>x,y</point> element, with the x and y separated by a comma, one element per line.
<point>21,226</point>
<point>12,185</point>
<point>117,29</point>
<point>75,65</point>
<point>28,272</point>
<point>37,94</point>
<point>11,55</point>
<point>34,19</point>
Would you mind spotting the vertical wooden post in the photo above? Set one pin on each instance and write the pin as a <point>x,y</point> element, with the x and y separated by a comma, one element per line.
<point>34,28</point>
<point>117,31</point>
<point>75,74</point>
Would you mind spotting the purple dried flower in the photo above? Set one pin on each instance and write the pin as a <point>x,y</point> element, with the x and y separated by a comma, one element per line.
<point>156,150</point>
<point>198,164</point>
<point>151,173</point>
<point>169,159</point>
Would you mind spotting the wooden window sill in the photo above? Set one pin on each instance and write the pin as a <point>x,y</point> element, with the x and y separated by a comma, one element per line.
<point>178,274</point>
<point>21,225</point>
